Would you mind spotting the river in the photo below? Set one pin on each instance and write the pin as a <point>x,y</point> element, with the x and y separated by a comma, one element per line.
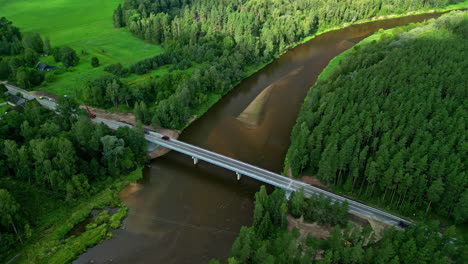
<point>185,213</point>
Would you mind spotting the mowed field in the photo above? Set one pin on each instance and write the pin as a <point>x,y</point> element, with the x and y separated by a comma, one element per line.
<point>83,25</point>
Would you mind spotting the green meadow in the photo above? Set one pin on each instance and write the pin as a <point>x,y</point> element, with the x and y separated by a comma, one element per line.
<point>85,26</point>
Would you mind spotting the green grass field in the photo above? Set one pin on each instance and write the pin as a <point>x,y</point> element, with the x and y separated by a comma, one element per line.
<point>3,109</point>
<point>84,26</point>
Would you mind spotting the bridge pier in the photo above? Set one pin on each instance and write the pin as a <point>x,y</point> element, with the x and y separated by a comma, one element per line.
<point>238,175</point>
<point>288,195</point>
<point>195,161</point>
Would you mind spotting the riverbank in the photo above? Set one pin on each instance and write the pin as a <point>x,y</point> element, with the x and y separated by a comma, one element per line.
<point>462,5</point>
<point>327,71</point>
<point>214,98</point>
<point>130,118</point>
<point>353,65</point>
<point>49,243</point>
<point>335,62</point>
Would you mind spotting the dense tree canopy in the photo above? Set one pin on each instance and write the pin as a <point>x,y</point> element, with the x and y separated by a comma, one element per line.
<point>10,42</point>
<point>106,91</point>
<point>390,122</point>
<point>267,240</point>
<point>67,56</point>
<point>58,154</point>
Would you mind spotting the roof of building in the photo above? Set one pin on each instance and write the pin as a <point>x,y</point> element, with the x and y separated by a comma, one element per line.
<point>41,66</point>
<point>17,100</point>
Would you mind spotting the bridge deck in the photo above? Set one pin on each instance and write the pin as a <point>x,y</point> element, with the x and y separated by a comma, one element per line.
<point>269,177</point>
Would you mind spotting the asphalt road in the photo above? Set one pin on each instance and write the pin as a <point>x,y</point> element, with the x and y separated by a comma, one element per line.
<point>46,102</point>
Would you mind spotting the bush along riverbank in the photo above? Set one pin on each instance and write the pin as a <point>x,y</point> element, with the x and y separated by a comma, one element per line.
<point>56,244</point>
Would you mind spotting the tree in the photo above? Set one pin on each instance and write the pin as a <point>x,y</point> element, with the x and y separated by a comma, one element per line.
<point>112,91</point>
<point>3,89</point>
<point>34,42</point>
<point>4,70</point>
<point>461,208</point>
<point>142,113</point>
<point>47,47</point>
<point>9,208</point>
<point>10,150</point>
<point>113,148</point>
<point>117,69</point>
<point>241,249</point>
<point>134,139</point>
<point>78,186</point>
<point>434,192</point>
<point>30,57</point>
<point>22,78</point>
<point>67,56</point>
<point>11,38</point>
<point>65,159</point>
<point>94,62</point>
<point>24,164</point>
<point>232,260</point>
<point>297,203</point>
<point>118,17</point>
<point>67,106</point>
<point>265,228</point>
<point>299,158</point>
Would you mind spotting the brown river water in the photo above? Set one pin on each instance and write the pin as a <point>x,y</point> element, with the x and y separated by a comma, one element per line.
<point>185,213</point>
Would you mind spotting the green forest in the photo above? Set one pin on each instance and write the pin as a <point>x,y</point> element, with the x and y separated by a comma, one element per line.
<point>386,126</point>
<point>209,47</point>
<point>267,241</point>
<point>389,123</point>
<point>50,161</point>
<point>220,42</point>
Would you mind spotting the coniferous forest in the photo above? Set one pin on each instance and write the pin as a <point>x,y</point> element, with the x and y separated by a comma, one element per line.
<point>389,123</point>
<point>268,241</point>
<point>225,39</point>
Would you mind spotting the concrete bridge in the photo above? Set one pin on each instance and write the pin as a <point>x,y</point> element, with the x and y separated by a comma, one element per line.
<point>240,168</point>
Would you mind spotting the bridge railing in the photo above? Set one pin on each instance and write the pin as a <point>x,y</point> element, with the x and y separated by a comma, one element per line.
<point>259,174</point>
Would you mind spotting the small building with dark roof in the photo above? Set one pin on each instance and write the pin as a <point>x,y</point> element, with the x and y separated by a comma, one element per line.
<point>41,66</point>
<point>16,100</point>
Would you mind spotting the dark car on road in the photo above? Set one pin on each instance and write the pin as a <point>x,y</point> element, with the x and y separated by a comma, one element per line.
<point>147,131</point>
<point>165,137</point>
<point>403,224</point>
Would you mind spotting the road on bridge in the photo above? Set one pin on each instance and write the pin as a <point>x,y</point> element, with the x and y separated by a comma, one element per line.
<point>274,179</point>
<point>237,166</point>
